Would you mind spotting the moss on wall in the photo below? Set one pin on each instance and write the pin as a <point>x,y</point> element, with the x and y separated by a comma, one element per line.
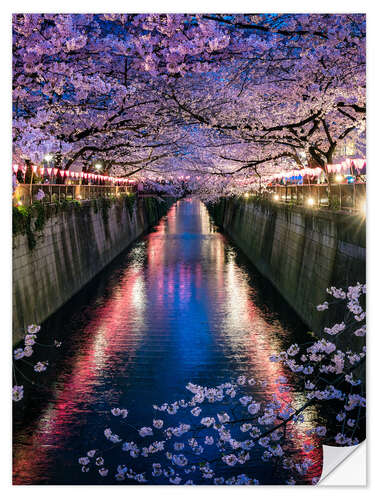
<point>59,248</point>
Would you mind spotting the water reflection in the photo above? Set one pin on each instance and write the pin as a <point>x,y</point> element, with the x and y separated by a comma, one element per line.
<point>182,305</point>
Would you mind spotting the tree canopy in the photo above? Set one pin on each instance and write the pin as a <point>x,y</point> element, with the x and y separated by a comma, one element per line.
<point>213,95</point>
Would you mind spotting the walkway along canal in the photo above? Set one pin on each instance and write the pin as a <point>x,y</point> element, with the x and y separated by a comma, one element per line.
<point>181,305</point>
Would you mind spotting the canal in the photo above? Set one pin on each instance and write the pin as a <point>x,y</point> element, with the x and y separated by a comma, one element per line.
<point>181,305</point>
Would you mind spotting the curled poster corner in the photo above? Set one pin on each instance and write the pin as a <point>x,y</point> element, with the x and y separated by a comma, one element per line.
<point>344,466</point>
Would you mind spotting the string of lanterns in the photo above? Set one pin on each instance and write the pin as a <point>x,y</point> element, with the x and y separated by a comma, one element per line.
<point>356,164</point>
<point>71,174</point>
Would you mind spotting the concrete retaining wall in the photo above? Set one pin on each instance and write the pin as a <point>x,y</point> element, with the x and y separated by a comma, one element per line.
<point>301,251</point>
<point>73,246</point>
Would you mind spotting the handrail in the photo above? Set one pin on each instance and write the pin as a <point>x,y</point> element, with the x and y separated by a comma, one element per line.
<point>350,197</point>
<point>26,194</point>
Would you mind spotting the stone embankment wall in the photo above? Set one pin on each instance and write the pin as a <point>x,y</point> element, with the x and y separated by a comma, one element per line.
<point>301,251</point>
<point>74,244</point>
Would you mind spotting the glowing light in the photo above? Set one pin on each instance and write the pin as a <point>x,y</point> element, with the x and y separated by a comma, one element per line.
<point>19,203</point>
<point>310,201</point>
<point>339,178</point>
<point>364,208</point>
<point>98,166</point>
<point>48,157</point>
<point>276,197</point>
<point>246,195</point>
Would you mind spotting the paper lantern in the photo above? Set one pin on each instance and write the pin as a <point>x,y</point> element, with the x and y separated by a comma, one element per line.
<point>347,163</point>
<point>49,170</point>
<point>15,168</point>
<point>359,164</point>
<point>55,171</point>
<point>35,168</point>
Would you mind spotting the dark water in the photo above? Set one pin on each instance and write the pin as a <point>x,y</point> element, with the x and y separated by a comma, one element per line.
<point>181,305</point>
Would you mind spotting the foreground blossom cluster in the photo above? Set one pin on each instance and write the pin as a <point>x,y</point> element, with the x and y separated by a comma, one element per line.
<point>22,354</point>
<point>213,436</point>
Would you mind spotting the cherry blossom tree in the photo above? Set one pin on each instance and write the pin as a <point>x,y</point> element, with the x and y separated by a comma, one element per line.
<point>228,93</point>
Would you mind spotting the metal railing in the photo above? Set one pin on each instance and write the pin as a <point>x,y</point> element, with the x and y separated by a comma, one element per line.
<point>26,194</point>
<point>350,197</point>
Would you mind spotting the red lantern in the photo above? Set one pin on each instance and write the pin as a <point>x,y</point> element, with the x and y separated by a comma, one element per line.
<point>55,171</point>
<point>359,164</point>
<point>49,170</point>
